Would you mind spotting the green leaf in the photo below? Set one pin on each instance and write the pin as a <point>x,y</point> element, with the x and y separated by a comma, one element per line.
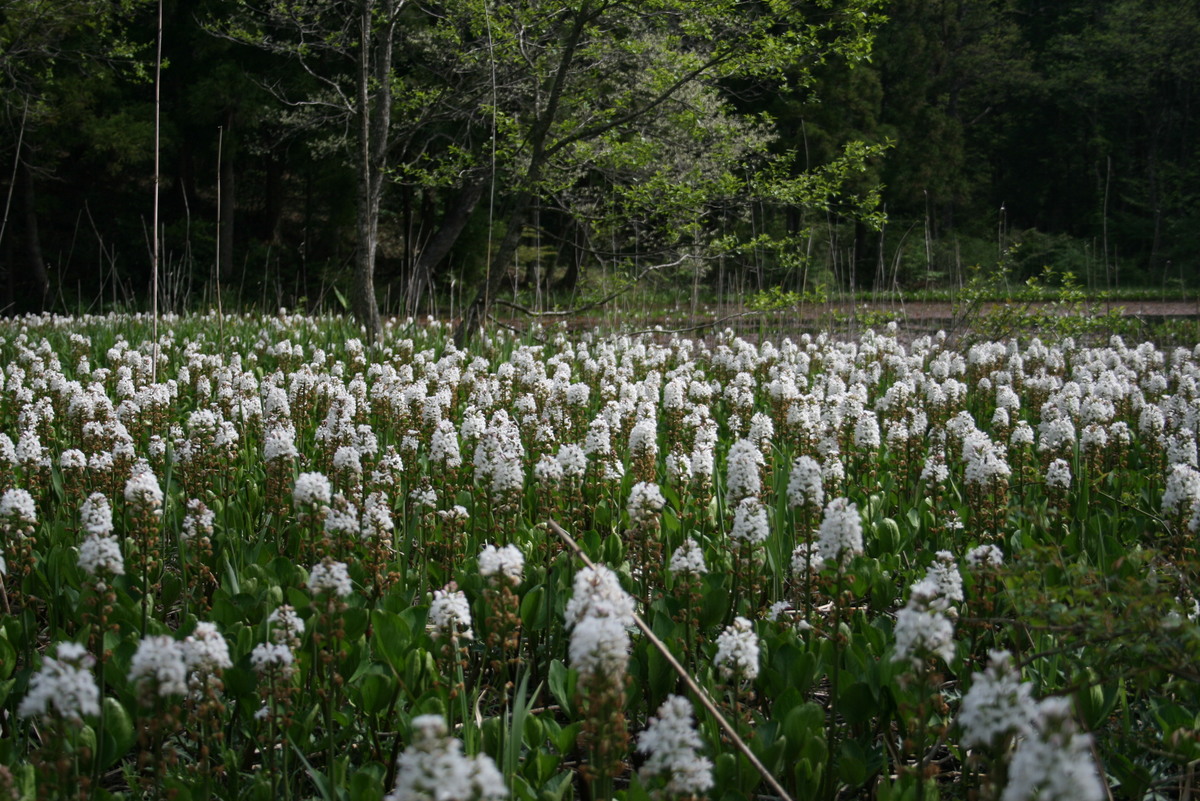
<point>562,683</point>
<point>366,783</point>
<point>852,763</point>
<point>118,732</point>
<point>857,703</point>
<point>534,614</point>
<point>376,692</point>
<point>8,657</point>
<point>392,638</point>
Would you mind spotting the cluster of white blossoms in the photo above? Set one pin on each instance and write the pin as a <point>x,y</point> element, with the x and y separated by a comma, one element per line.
<point>998,706</point>
<point>750,524</point>
<point>646,503</point>
<point>599,615</point>
<point>688,560</point>
<point>143,490</point>
<point>923,629</point>
<point>312,489</point>
<point>840,537</point>
<point>1054,761</point>
<point>450,615</point>
<point>205,653</point>
<point>1058,475</point>
<point>805,485</point>
<point>985,556</point>
<point>100,557</point>
<point>159,667</point>
<point>807,559</point>
<point>287,627</point>
<point>63,688</point>
<point>742,465</point>
<point>331,577</point>
<point>273,659</point>
<point>737,651</point>
<point>947,581</point>
<point>95,515</point>
<point>434,768</point>
<point>507,563</point>
<point>672,745</point>
<point>18,511</point>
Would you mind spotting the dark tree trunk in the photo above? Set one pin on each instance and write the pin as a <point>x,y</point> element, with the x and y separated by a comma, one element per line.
<point>440,244</point>
<point>374,123</point>
<point>34,261</point>
<point>228,205</point>
<point>475,315</point>
<point>273,201</point>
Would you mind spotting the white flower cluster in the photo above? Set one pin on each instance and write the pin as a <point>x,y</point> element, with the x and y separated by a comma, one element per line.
<point>143,490</point>
<point>312,489</point>
<point>944,576</point>
<point>599,616</point>
<point>95,515</point>
<point>840,537</point>
<point>332,577</point>
<point>806,558</point>
<point>750,525</point>
<point>671,744</point>
<point>434,768</point>
<point>198,522</point>
<point>1058,475</point>
<point>507,563</point>
<point>998,706</point>
<point>100,557</point>
<point>742,465</point>
<point>805,486</point>
<point>646,502</point>
<point>688,560</point>
<point>287,627</point>
<point>450,615</point>
<point>279,444</point>
<point>159,667</point>
<point>206,654</point>
<point>923,629</point>
<point>985,556</point>
<point>273,659</point>
<point>63,688</point>
<point>1054,762</point>
<point>18,511</point>
<point>737,651</point>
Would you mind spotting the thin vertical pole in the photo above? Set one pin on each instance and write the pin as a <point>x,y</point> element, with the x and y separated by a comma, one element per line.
<point>157,134</point>
<point>220,153</point>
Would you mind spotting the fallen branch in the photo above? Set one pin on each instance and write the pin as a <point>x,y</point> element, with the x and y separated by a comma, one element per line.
<point>589,306</point>
<point>692,686</point>
<point>519,332</point>
<point>699,327</point>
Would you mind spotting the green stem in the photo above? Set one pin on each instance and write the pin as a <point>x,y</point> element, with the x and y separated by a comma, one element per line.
<point>831,736</point>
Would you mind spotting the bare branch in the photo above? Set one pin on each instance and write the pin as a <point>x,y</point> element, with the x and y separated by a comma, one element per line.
<point>589,306</point>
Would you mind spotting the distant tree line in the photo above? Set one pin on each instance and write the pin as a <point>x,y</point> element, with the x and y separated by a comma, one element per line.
<point>410,155</point>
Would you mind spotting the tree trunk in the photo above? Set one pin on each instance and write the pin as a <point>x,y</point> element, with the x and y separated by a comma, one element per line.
<point>226,211</point>
<point>34,261</point>
<point>477,312</point>
<point>440,244</point>
<point>374,123</point>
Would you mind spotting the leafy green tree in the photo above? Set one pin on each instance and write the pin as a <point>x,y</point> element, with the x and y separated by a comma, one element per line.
<point>58,61</point>
<point>598,109</point>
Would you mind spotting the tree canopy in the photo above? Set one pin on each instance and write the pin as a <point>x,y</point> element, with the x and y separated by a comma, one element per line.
<point>403,153</point>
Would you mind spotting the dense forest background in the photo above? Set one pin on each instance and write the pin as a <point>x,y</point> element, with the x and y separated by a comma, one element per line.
<point>1028,133</point>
